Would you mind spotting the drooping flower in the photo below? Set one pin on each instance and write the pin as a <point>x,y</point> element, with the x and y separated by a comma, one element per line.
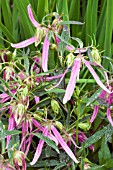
<point>72,81</point>
<point>39,147</point>
<point>63,144</point>
<point>41,32</point>
<point>75,72</point>
<point>108,98</point>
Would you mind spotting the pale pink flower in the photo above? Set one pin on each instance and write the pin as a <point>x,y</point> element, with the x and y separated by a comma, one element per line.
<point>63,144</point>
<point>39,147</point>
<point>36,39</point>
<point>72,81</point>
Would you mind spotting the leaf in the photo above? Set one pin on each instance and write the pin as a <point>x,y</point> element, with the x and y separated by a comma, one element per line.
<point>98,167</point>
<point>60,165</point>
<point>104,153</point>
<point>2,105</point>
<point>94,97</point>
<point>45,163</point>
<point>72,22</point>
<point>56,90</point>
<point>79,41</point>
<point>9,132</point>
<point>2,135</point>
<point>47,140</point>
<point>94,138</point>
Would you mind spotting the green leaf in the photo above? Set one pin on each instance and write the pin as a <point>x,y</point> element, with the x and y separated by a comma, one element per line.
<point>71,22</point>
<point>104,153</point>
<point>9,132</point>
<point>78,41</point>
<point>2,105</point>
<point>56,90</point>
<point>47,140</point>
<point>60,165</point>
<point>2,136</point>
<point>94,138</point>
<point>94,97</point>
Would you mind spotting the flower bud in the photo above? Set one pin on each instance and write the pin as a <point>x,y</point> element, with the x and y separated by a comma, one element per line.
<point>69,59</point>
<point>59,125</point>
<point>96,56</point>
<point>55,106</point>
<point>19,159</point>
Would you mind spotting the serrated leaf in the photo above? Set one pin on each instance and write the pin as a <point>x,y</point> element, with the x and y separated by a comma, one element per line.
<point>46,163</point>
<point>104,153</point>
<point>72,22</point>
<point>47,140</point>
<point>94,97</point>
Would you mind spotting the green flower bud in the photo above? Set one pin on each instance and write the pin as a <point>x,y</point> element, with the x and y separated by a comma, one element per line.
<point>69,59</point>
<point>55,106</point>
<point>96,56</point>
<point>59,125</point>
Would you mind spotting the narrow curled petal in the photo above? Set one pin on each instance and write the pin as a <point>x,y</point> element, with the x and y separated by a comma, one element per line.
<point>109,116</point>
<point>63,144</point>
<point>24,43</point>
<point>54,77</point>
<point>11,126</point>
<point>72,81</point>
<point>45,51</point>
<point>105,73</point>
<point>39,148</point>
<point>97,79</point>
<point>31,17</point>
<point>63,75</point>
<point>95,112</point>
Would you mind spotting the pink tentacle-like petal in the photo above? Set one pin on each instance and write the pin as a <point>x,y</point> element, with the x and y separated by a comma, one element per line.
<point>72,81</point>
<point>54,77</point>
<point>95,112</point>
<point>31,17</point>
<point>24,43</point>
<point>45,51</point>
<point>39,148</point>
<point>109,116</point>
<point>105,73</point>
<point>63,144</point>
<point>97,79</point>
<point>11,126</point>
<point>63,75</point>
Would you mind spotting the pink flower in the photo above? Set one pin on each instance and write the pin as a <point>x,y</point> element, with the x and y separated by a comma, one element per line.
<point>39,147</point>
<point>74,74</point>
<point>72,81</point>
<point>63,144</point>
<point>108,98</point>
<point>36,39</point>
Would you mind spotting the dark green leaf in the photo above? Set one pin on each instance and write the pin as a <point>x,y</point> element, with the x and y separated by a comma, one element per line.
<point>94,97</point>
<point>104,153</point>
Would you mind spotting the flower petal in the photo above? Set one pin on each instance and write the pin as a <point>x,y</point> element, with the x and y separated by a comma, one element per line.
<point>63,144</point>
<point>31,17</point>
<point>45,51</point>
<point>95,112</point>
<point>62,76</point>
<point>72,81</point>
<point>24,43</point>
<point>39,148</point>
<point>97,79</point>
<point>109,116</point>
